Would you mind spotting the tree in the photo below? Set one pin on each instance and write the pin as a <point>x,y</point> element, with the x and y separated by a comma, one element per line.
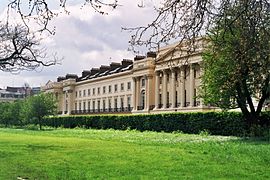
<point>237,62</point>
<point>10,113</point>
<point>21,50</point>
<point>41,105</point>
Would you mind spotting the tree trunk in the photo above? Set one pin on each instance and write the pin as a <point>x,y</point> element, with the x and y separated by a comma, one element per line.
<point>39,122</point>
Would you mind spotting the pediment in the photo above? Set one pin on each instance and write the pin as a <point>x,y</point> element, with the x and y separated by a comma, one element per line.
<point>49,82</point>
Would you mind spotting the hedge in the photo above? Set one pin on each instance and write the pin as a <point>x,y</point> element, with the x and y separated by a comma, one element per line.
<point>216,123</point>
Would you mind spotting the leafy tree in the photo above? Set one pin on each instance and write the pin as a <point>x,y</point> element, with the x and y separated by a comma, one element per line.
<point>237,62</point>
<point>39,106</point>
<point>5,113</point>
<point>10,113</point>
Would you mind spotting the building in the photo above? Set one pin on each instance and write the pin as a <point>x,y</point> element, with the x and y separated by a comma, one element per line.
<point>166,81</point>
<point>11,94</point>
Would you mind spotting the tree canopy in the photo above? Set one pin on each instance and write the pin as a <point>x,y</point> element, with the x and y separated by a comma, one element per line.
<point>237,62</point>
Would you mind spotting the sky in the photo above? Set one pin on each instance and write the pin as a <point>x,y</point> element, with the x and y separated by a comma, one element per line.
<point>84,39</point>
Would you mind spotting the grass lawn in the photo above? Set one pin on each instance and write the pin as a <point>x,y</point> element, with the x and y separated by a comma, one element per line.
<point>109,154</point>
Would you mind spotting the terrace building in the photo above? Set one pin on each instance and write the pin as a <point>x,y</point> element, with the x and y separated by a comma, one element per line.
<point>163,81</point>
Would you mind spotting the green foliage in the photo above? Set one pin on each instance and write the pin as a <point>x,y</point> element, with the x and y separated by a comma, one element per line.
<point>222,123</point>
<point>10,113</point>
<point>28,111</point>
<point>237,61</point>
<point>39,106</point>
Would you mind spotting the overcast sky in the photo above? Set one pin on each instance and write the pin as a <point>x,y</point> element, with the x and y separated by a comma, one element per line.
<point>85,39</point>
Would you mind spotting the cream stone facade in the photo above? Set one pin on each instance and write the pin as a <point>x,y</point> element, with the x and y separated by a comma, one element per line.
<point>166,81</point>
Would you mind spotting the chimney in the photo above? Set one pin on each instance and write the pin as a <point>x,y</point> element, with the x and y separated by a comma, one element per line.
<point>85,73</point>
<point>104,68</point>
<point>71,76</point>
<point>114,65</point>
<point>60,78</point>
<point>137,58</point>
<point>94,71</point>
<point>151,54</point>
<point>126,62</point>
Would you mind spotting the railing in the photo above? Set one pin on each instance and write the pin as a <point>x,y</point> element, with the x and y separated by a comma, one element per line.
<point>151,107</point>
<point>140,108</point>
<point>103,110</point>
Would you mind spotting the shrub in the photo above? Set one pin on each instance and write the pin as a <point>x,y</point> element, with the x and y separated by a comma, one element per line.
<point>215,123</point>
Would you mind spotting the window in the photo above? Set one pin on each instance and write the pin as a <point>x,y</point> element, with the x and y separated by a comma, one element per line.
<point>104,89</point>
<point>94,106</point>
<point>94,91</point>
<point>84,106</point>
<point>84,93</point>
<point>89,105</point>
<point>76,94</point>
<point>89,92</point>
<point>122,103</point>
<point>98,105</point>
<point>128,85</point>
<point>122,86</point>
<point>110,104</point>
<point>143,82</point>
<point>195,73</point>
<point>110,88</point>
<point>115,103</point>
<point>80,106</point>
<point>75,106</point>
<point>80,93</point>
<point>115,88</point>
<point>98,90</point>
<point>104,104</point>
<point>128,101</point>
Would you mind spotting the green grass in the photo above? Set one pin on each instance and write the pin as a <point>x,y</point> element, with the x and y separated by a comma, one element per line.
<point>109,154</point>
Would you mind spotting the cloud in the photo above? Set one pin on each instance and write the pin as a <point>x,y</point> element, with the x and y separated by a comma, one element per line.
<point>85,39</point>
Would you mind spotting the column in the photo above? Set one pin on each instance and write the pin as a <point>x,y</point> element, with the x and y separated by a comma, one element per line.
<point>64,103</point>
<point>182,86</point>
<point>164,89</point>
<point>200,77</point>
<point>157,89</point>
<point>149,88</point>
<point>69,101</point>
<point>146,98</point>
<point>138,94</point>
<point>191,83</point>
<point>134,94</point>
<point>172,89</point>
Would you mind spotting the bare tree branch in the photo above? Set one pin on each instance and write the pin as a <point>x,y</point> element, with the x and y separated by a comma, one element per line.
<point>21,50</point>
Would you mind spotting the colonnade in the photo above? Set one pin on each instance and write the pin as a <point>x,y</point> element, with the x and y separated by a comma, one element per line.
<point>177,94</point>
<point>173,88</point>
